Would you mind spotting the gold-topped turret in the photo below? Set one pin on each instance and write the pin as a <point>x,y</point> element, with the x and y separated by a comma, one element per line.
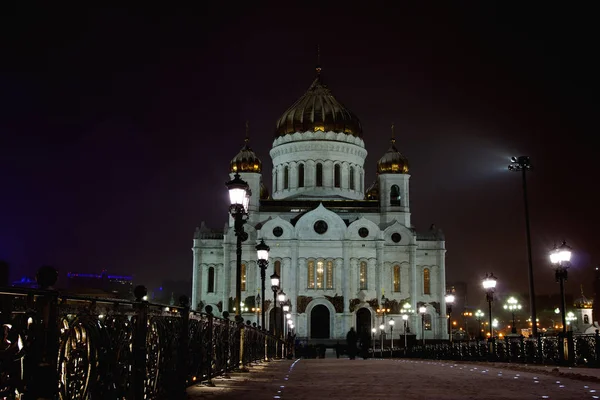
<point>392,162</point>
<point>246,160</point>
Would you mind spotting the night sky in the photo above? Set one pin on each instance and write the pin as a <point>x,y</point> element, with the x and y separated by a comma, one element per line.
<point>117,125</point>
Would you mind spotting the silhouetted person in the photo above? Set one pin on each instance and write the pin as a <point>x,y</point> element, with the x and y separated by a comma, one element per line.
<point>337,349</point>
<point>351,339</point>
<point>365,344</point>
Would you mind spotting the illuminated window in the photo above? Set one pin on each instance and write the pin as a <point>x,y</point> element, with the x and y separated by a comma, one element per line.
<point>336,175</point>
<point>286,178</point>
<point>320,273</point>
<point>277,268</point>
<point>211,280</point>
<point>426,282</point>
<point>310,267</point>
<point>301,175</point>
<point>395,196</point>
<point>351,178</point>
<point>243,277</point>
<point>396,278</point>
<point>427,322</point>
<point>329,275</point>
<point>319,175</point>
<point>363,275</point>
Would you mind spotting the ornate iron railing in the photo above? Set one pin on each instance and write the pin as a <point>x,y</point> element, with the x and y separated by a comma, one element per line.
<point>582,350</point>
<point>68,347</point>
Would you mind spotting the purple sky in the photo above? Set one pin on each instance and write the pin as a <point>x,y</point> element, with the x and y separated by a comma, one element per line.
<point>117,127</point>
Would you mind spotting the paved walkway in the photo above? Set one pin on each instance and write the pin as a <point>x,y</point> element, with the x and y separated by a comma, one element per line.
<point>375,379</point>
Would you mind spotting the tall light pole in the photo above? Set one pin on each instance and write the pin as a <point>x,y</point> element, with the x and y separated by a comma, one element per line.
<point>489,284</point>
<point>275,289</point>
<point>391,322</point>
<point>406,310</point>
<point>262,254</point>
<point>373,331</point>
<point>422,311</point>
<point>478,316</point>
<point>512,305</point>
<point>561,259</point>
<point>523,164</point>
<point>281,297</point>
<point>381,332</point>
<point>405,319</point>
<point>449,301</point>
<point>239,196</point>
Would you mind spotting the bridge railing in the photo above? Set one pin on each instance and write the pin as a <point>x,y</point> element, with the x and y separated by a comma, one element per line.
<point>65,347</point>
<point>569,349</point>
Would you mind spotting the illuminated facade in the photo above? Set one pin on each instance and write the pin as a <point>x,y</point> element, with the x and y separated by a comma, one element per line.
<point>337,244</point>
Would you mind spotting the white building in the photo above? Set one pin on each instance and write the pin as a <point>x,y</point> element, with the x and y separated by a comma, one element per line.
<point>337,245</point>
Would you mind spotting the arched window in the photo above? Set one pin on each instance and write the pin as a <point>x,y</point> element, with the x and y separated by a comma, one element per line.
<point>586,319</point>
<point>211,280</point>
<point>301,175</point>
<point>310,269</point>
<point>426,282</point>
<point>351,178</point>
<point>362,275</point>
<point>320,274</point>
<point>396,278</point>
<point>427,322</point>
<point>286,178</point>
<point>329,275</point>
<point>277,268</point>
<point>336,175</point>
<point>319,177</point>
<point>243,288</point>
<point>395,195</point>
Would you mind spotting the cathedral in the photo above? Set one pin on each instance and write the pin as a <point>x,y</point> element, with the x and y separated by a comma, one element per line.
<point>346,253</point>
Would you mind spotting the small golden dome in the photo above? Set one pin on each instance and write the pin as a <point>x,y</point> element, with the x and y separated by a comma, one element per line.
<point>318,110</point>
<point>245,161</point>
<point>392,162</point>
<point>373,191</point>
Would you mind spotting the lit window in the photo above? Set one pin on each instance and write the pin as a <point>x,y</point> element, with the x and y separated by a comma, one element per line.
<point>243,277</point>
<point>363,275</point>
<point>351,178</point>
<point>396,278</point>
<point>427,322</point>
<point>319,177</point>
<point>211,280</point>
<point>426,282</point>
<point>329,279</point>
<point>336,175</point>
<point>311,274</point>
<point>301,175</point>
<point>320,273</point>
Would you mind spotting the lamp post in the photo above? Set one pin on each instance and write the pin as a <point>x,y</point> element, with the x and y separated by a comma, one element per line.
<point>560,257</point>
<point>489,284</point>
<point>239,196</point>
<point>512,305</point>
<point>381,332</point>
<point>275,289</point>
<point>286,312</point>
<point>449,301</point>
<point>422,311</point>
<point>405,319</point>
<point>373,331</point>
<point>383,310</point>
<point>391,322</point>
<point>258,309</point>
<point>478,316</point>
<point>281,297</point>
<point>262,255</point>
<point>570,318</point>
<point>405,311</point>
<point>523,164</point>
<point>467,315</point>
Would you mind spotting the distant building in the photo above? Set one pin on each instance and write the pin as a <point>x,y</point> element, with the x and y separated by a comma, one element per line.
<point>26,282</point>
<point>100,285</point>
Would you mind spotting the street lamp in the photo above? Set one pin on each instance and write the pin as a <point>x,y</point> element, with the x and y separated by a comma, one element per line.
<point>489,284</point>
<point>286,311</point>
<point>422,311</point>
<point>512,305</point>
<point>262,254</point>
<point>449,301</point>
<point>373,331</point>
<point>381,332</point>
<point>478,316</point>
<point>281,297</point>
<point>570,318</point>
<point>560,257</point>
<point>239,196</point>
<point>405,319</point>
<point>523,164</point>
<point>275,289</point>
<point>258,309</point>
<point>391,322</point>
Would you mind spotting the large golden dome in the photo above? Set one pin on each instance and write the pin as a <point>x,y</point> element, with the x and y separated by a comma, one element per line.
<point>392,162</point>
<point>318,110</point>
<point>245,161</point>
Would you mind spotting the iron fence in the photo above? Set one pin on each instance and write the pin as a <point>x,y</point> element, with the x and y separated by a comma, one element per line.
<point>67,347</point>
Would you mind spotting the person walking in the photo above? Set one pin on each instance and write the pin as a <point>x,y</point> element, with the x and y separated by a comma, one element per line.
<point>351,339</point>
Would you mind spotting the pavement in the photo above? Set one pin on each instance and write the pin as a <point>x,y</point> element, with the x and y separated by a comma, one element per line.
<point>375,379</point>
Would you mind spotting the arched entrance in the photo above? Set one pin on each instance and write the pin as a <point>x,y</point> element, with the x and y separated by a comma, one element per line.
<point>275,322</point>
<point>363,320</point>
<point>319,322</point>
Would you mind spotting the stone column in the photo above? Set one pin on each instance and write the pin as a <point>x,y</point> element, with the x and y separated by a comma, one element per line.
<point>196,281</point>
<point>345,274</point>
<point>379,269</point>
<point>226,272</point>
<point>294,281</point>
<point>414,290</point>
<point>441,256</point>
